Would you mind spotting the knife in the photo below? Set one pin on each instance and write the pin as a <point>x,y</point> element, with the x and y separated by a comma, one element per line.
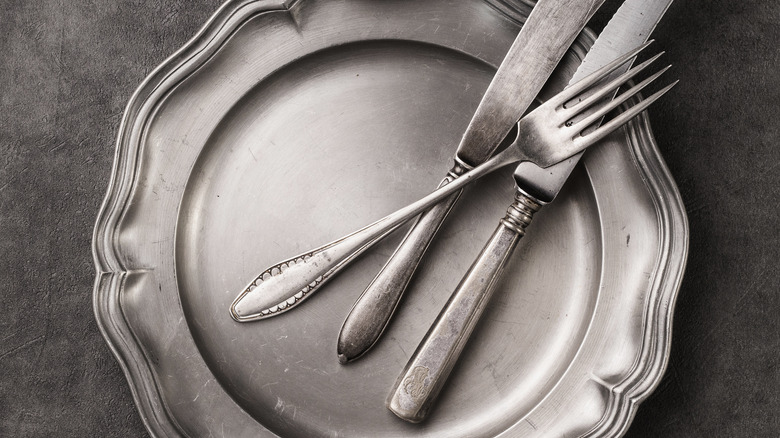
<point>423,377</point>
<point>548,32</point>
<point>516,83</point>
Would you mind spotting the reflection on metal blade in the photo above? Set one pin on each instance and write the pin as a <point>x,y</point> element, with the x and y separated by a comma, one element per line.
<point>629,27</point>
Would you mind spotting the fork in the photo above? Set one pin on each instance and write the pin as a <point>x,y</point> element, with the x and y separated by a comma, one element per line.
<point>549,134</point>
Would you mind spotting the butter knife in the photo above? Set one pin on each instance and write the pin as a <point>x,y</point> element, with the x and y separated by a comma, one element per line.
<point>427,370</point>
<point>516,83</point>
<point>548,32</point>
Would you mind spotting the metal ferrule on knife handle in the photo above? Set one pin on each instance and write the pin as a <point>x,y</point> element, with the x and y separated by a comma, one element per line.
<point>372,311</point>
<point>421,381</point>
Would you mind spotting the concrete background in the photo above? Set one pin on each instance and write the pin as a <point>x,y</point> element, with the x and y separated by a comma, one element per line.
<point>67,68</point>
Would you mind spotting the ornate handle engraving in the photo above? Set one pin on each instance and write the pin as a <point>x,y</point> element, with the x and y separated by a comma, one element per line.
<point>415,384</point>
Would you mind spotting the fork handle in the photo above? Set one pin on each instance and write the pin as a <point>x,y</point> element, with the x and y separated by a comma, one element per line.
<point>372,311</point>
<point>426,372</point>
<point>285,285</point>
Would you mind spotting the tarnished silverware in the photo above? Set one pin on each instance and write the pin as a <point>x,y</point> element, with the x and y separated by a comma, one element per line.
<point>545,36</point>
<point>545,136</point>
<point>427,370</point>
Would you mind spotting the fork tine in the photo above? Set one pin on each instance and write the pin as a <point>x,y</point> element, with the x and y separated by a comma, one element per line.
<point>588,81</point>
<point>624,117</point>
<point>603,90</point>
<point>610,105</point>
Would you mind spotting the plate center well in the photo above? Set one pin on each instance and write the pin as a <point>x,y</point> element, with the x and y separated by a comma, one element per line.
<point>331,143</point>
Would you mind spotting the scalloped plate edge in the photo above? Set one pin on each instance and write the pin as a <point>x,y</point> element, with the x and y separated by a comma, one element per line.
<point>111,273</point>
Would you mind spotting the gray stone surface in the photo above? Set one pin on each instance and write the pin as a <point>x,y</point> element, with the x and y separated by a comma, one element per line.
<point>67,68</point>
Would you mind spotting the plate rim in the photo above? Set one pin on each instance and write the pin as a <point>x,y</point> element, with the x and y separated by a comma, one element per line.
<point>111,272</point>
<point>649,368</point>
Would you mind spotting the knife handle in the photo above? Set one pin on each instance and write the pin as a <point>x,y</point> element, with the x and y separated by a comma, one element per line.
<point>423,377</point>
<point>372,311</point>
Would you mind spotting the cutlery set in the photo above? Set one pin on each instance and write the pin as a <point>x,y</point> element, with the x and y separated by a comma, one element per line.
<point>545,144</point>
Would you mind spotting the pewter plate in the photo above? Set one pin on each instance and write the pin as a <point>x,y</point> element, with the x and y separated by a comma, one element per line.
<point>284,125</point>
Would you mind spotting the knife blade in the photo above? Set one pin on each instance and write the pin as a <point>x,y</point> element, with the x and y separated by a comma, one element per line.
<point>548,32</point>
<point>424,375</point>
